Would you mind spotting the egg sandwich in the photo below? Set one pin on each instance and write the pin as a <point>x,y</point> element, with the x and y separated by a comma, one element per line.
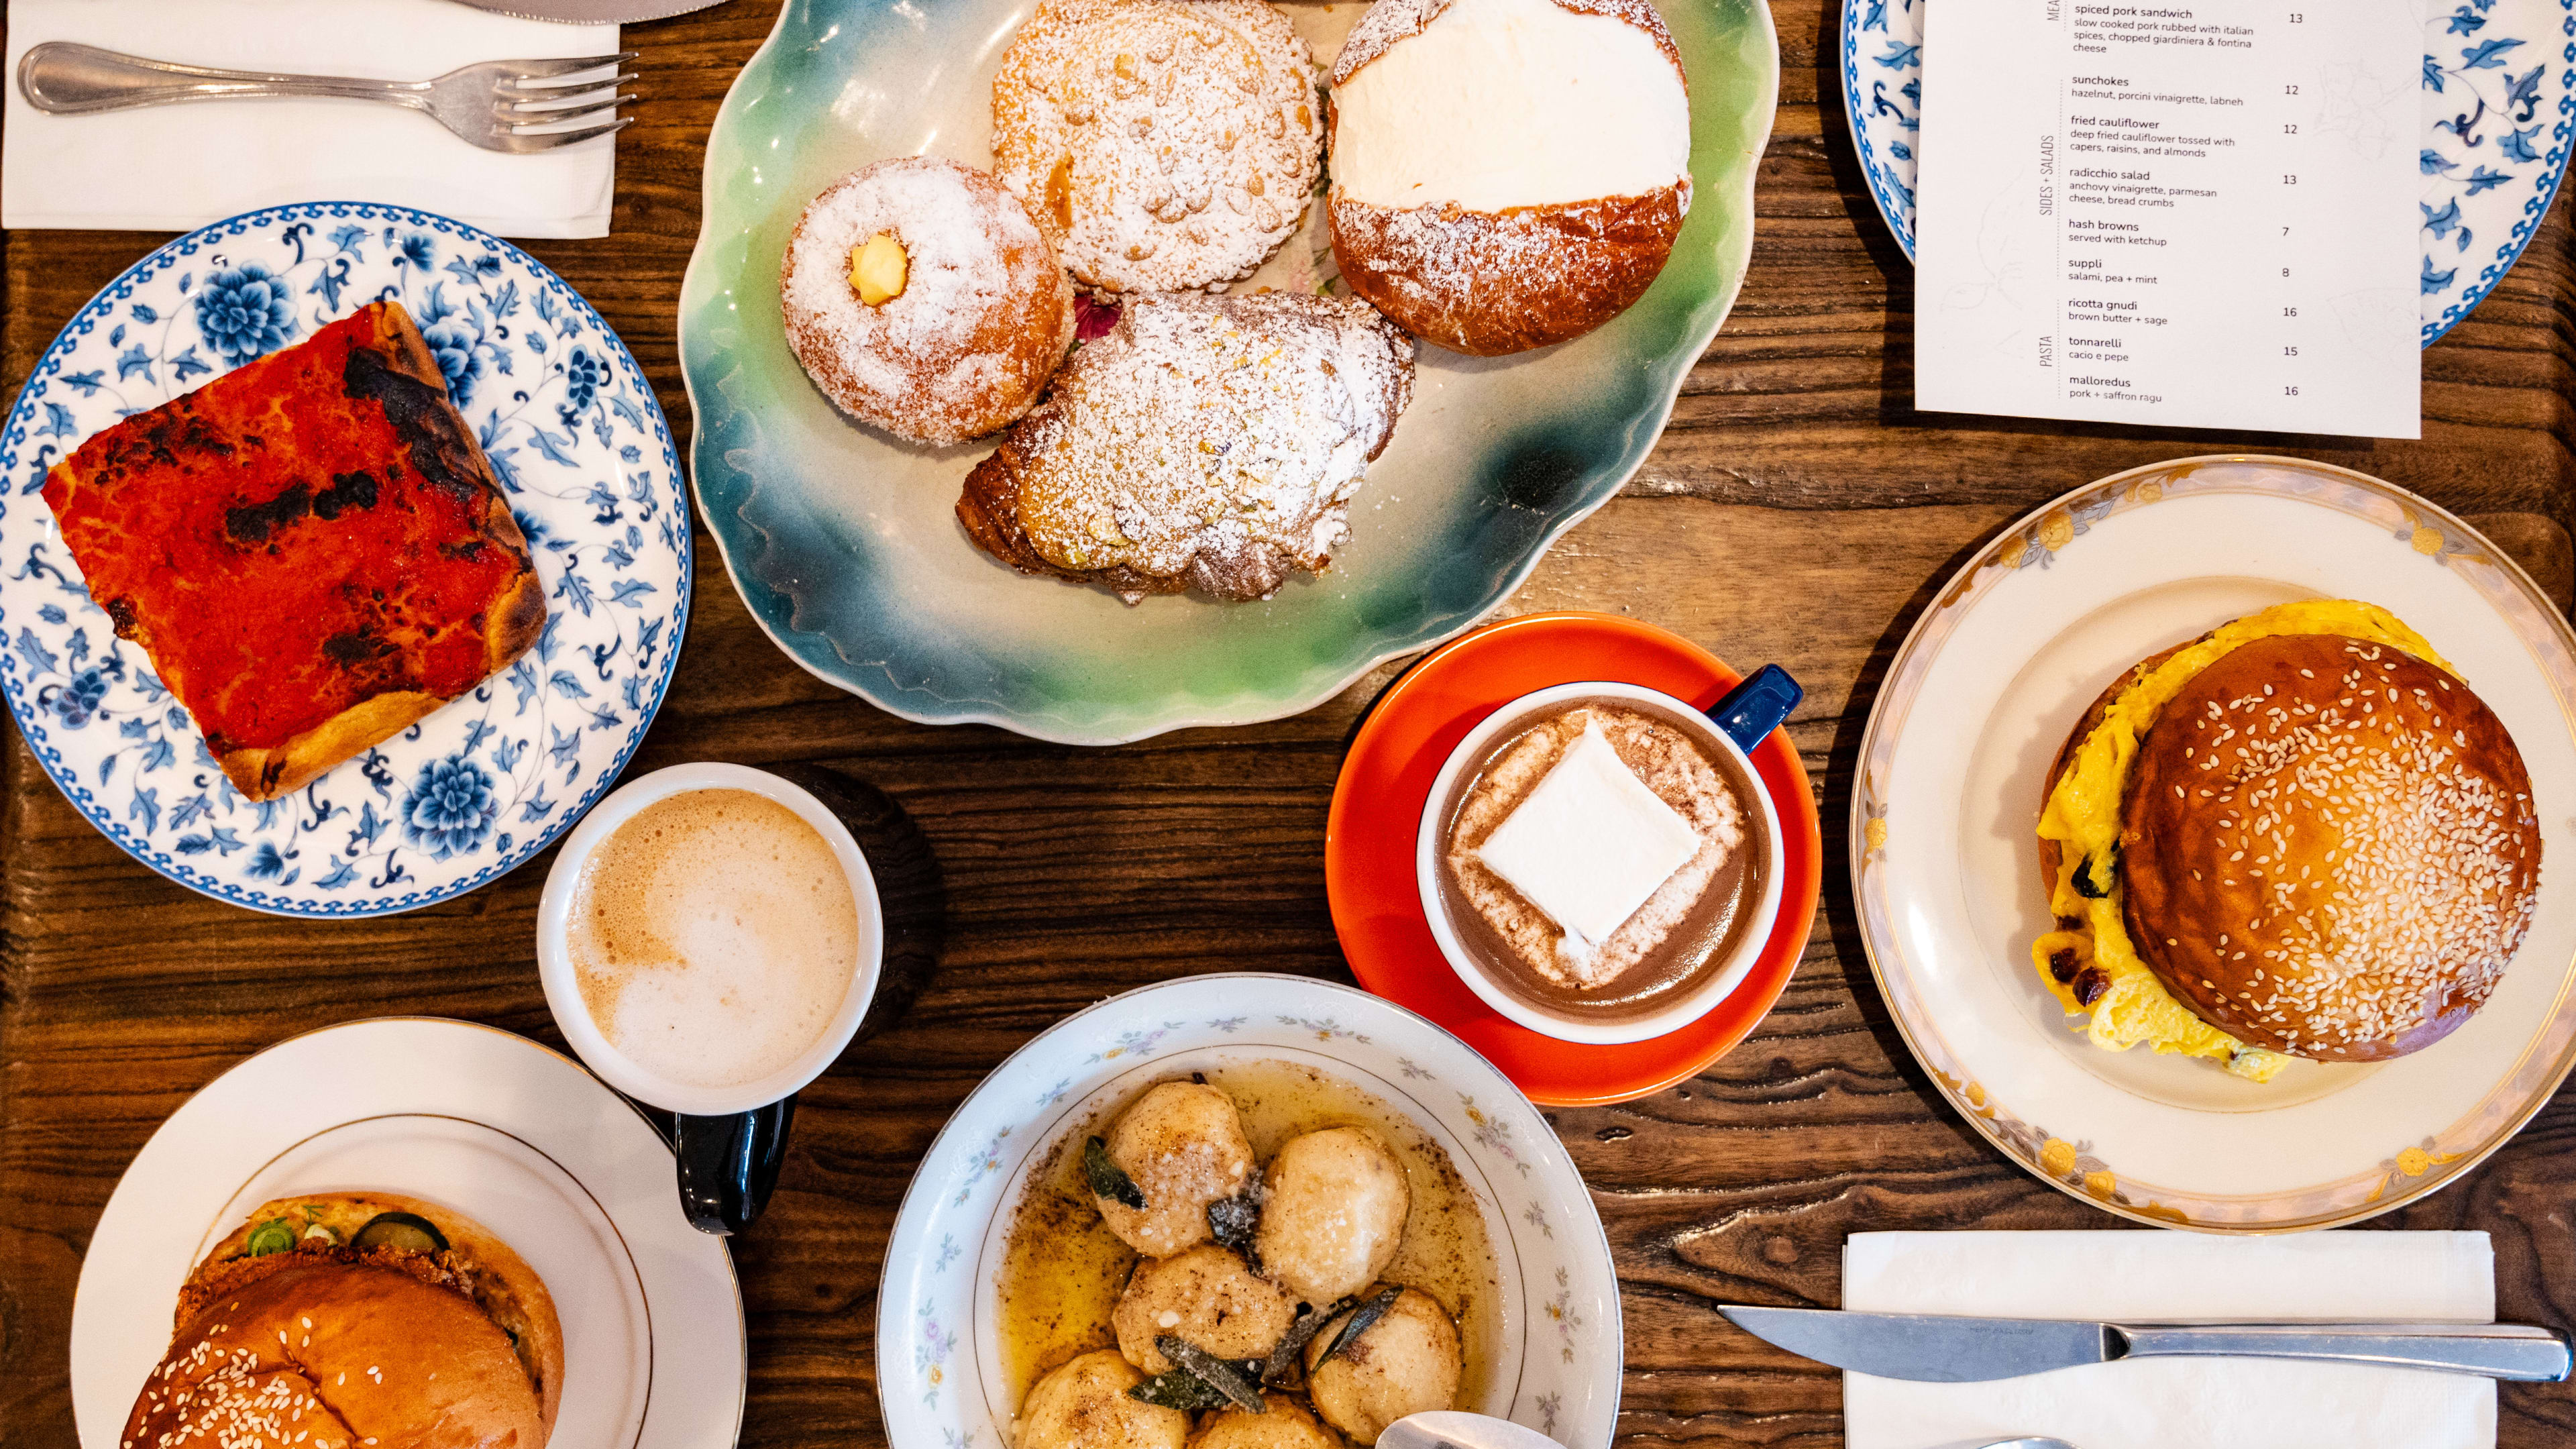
<point>2298,835</point>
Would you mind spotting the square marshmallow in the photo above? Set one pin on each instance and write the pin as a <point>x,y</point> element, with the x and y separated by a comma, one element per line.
<point>1590,844</point>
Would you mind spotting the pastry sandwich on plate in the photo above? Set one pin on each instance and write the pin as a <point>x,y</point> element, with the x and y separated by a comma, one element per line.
<point>2299,835</point>
<point>338,1320</point>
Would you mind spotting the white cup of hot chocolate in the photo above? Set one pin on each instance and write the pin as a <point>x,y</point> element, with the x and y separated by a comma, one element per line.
<point>1632,896</point>
<point>709,940</point>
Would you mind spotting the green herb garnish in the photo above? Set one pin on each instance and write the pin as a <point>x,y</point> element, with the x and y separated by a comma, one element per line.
<point>1362,1319</point>
<point>2084,885</point>
<point>1108,1179</point>
<point>1234,1220</point>
<point>1223,1375</point>
<point>274,1236</point>
<point>1284,1369</point>
<point>1179,1389</point>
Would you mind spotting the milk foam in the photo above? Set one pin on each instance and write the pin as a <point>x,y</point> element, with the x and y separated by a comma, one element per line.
<point>714,937</point>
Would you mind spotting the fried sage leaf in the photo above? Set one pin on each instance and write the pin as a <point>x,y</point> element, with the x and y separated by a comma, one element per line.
<point>1233,1220</point>
<point>1363,1318</point>
<point>1179,1389</point>
<point>1108,1179</point>
<point>1286,1367</point>
<point>1223,1375</point>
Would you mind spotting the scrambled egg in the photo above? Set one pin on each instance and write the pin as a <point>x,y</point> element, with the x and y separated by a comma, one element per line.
<point>2083,817</point>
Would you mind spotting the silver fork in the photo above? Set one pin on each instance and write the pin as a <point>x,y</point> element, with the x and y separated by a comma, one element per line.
<point>496,104</point>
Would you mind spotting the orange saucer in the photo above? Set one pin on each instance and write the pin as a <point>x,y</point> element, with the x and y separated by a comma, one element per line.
<point>1377,809</point>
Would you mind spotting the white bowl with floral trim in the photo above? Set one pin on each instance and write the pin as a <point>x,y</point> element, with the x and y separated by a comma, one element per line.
<point>937,1339</point>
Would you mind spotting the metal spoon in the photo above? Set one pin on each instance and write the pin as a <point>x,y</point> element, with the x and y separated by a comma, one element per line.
<point>1457,1429</point>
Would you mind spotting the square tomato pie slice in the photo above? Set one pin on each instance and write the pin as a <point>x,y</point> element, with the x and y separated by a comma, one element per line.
<point>312,549</point>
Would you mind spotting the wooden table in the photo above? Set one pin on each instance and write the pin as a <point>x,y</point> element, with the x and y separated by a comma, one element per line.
<point>1799,509</point>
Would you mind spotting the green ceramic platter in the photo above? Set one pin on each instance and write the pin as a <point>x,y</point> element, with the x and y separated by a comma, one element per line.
<point>844,544</point>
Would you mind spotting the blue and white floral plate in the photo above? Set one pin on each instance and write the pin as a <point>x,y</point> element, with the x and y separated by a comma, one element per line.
<point>2499,114</point>
<point>1559,1350</point>
<point>579,444</point>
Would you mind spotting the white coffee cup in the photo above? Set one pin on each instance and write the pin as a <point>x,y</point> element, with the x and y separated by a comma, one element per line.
<point>563,987</point>
<point>729,1141</point>
<point>1431,842</point>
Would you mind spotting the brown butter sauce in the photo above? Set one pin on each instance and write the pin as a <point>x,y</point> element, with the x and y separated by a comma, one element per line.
<point>1062,1269</point>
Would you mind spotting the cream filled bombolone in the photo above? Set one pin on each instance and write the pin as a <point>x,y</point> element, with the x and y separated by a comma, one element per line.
<point>1507,174</point>
<point>923,299</point>
<point>2299,835</point>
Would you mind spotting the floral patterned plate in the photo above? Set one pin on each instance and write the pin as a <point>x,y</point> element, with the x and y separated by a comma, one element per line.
<point>938,1346</point>
<point>1945,865</point>
<point>846,546</point>
<point>2499,114</point>
<point>580,446</point>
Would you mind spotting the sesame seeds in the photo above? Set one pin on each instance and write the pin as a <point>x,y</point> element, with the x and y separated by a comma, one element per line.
<point>2384,851</point>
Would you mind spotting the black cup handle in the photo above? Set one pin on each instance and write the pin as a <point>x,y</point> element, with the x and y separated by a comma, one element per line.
<point>729,1164</point>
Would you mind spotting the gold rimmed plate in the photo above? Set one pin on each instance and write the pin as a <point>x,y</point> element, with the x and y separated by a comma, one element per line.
<point>1945,864</point>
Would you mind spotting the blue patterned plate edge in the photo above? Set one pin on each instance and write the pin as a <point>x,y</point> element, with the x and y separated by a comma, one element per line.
<point>1895,199</point>
<point>17,431</point>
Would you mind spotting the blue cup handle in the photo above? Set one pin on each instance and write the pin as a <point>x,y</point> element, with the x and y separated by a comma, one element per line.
<point>1756,707</point>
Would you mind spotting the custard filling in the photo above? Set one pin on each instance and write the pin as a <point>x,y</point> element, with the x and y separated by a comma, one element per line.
<point>2083,817</point>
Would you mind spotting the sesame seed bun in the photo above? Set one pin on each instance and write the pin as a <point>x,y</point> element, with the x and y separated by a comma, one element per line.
<point>327,1344</point>
<point>2327,847</point>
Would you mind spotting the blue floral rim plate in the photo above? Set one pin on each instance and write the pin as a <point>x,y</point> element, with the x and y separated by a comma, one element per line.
<point>580,447</point>
<point>2499,116</point>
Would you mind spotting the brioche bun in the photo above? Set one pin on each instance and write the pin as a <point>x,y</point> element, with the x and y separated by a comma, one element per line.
<point>1507,174</point>
<point>328,1344</point>
<point>2327,846</point>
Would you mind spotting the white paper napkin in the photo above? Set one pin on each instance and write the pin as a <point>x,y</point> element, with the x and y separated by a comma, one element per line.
<point>2178,1404</point>
<point>173,168</point>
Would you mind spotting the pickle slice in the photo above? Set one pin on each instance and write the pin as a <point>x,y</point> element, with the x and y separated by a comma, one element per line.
<point>401,1230</point>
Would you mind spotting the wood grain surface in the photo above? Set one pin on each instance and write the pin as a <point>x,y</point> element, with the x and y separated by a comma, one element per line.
<point>1798,510</point>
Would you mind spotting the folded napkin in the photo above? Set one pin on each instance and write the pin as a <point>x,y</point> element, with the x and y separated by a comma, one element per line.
<point>173,168</point>
<point>2244,1403</point>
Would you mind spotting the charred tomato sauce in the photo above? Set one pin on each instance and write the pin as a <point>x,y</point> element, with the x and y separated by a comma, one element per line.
<point>309,531</point>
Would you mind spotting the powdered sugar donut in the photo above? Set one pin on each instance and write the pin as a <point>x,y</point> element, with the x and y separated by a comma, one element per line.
<point>1164,144</point>
<point>922,298</point>
<point>1507,173</point>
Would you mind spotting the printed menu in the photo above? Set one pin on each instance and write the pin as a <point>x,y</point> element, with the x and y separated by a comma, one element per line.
<point>2192,215</point>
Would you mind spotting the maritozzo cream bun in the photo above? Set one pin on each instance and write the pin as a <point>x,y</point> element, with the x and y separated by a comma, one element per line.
<point>1507,174</point>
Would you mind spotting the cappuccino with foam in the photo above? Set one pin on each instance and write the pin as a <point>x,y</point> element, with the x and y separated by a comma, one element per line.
<point>714,937</point>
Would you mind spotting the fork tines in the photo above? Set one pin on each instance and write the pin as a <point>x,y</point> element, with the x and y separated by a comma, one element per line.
<point>550,101</point>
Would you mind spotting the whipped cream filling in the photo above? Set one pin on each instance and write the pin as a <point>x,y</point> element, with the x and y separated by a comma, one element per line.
<point>1505,103</point>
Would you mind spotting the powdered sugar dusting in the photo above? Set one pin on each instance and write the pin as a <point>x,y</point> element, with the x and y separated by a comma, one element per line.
<point>984,314</point>
<point>1164,144</point>
<point>1494,282</point>
<point>1232,430</point>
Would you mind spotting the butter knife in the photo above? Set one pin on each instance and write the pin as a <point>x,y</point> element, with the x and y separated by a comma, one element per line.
<point>591,12</point>
<point>1938,1349</point>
